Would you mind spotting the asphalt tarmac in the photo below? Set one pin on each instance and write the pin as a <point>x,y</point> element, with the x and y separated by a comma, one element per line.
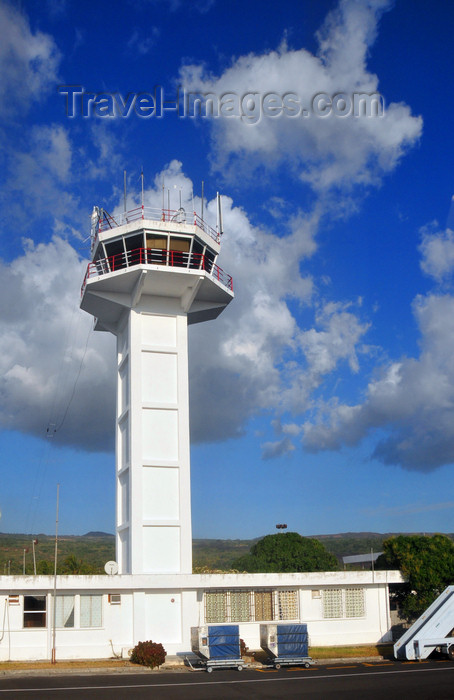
<point>375,680</point>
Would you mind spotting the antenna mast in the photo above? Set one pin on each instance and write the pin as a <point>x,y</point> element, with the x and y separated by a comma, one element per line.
<point>220,228</point>
<point>141,177</point>
<point>163,201</point>
<point>202,201</point>
<point>54,621</point>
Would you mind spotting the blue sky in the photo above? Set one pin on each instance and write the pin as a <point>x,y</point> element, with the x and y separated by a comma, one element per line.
<point>323,397</point>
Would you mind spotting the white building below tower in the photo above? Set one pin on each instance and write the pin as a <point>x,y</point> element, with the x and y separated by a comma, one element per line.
<point>102,616</point>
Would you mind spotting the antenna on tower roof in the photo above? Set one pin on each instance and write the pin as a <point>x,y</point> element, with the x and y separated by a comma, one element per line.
<point>202,201</point>
<point>220,227</point>
<point>163,202</point>
<point>141,177</point>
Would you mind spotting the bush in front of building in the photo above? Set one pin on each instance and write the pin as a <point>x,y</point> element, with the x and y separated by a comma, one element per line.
<point>149,654</point>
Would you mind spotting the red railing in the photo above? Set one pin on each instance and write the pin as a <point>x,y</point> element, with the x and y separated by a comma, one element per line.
<point>180,216</point>
<point>157,256</point>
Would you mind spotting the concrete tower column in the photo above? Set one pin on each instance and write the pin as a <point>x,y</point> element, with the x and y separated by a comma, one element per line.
<point>153,463</point>
<point>148,280</point>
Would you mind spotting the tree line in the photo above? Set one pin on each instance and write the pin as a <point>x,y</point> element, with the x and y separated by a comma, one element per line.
<point>426,561</point>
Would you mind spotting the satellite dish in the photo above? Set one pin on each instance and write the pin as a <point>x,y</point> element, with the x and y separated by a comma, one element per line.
<point>111,568</point>
<point>180,216</point>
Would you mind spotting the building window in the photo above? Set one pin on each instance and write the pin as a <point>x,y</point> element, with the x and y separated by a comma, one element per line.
<point>115,598</point>
<point>91,610</point>
<point>34,610</point>
<point>263,605</point>
<point>343,603</point>
<point>332,603</point>
<point>250,606</point>
<point>287,605</point>
<point>239,606</point>
<point>354,602</point>
<point>216,607</point>
<point>64,611</point>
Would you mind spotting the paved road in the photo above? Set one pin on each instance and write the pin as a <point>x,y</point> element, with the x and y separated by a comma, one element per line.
<point>389,680</point>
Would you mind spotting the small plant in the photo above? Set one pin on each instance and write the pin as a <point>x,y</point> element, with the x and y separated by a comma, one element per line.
<point>148,654</point>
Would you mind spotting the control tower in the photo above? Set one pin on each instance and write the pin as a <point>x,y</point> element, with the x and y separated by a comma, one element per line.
<point>153,272</point>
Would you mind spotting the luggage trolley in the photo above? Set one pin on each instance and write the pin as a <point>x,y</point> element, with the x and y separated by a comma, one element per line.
<point>287,645</point>
<point>218,646</point>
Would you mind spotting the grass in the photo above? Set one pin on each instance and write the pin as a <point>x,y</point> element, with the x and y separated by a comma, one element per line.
<point>340,652</point>
<point>65,663</point>
<point>346,652</point>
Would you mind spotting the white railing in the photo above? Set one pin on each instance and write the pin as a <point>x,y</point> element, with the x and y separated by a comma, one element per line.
<point>179,216</point>
<point>156,256</point>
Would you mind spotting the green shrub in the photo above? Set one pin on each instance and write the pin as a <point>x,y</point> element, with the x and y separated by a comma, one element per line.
<point>148,654</point>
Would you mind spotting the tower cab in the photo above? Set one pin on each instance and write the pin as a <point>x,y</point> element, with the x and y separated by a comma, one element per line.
<point>159,241</point>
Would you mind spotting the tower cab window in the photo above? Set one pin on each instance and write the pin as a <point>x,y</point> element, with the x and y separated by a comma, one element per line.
<point>179,251</point>
<point>197,255</point>
<point>116,255</point>
<point>156,249</point>
<point>134,249</point>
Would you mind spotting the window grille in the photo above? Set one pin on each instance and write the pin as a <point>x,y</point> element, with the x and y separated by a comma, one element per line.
<point>216,607</point>
<point>332,603</point>
<point>354,602</point>
<point>348,602</point>
<point>263,605</point>
<point>287,605</point>
<point>239,606</point>
<point>64,611</point>
<point>91,610</point>
<point>250,606</point>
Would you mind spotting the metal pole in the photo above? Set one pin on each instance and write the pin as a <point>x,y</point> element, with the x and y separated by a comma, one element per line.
<point>23,567</point>
<point>55,583</point>
<point>34,557</point>
<point>202,201</point>
<point>124,187</point>
<point>163,201</point>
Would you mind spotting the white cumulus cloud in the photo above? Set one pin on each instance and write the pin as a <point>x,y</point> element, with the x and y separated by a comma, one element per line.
<point>411,400</point>
<point>28,61</point>
<point>324,151</point>
<point>437,250</point>
<point>43,348</point>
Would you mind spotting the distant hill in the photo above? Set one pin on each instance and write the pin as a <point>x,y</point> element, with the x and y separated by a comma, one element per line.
<point>96,548</point>
<point>93,549</point>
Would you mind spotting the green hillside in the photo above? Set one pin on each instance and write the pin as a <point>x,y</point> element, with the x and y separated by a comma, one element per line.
<point>88,553</point>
